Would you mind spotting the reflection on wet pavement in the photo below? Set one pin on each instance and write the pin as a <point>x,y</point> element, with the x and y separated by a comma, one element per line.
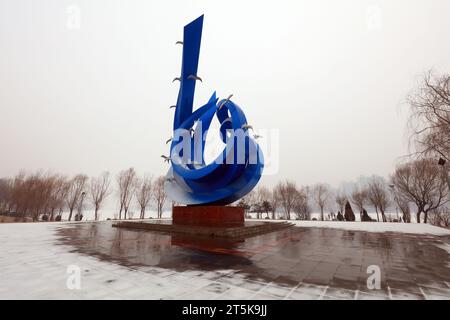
<point>290,257</point>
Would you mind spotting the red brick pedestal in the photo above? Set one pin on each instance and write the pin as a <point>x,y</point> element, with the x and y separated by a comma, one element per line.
<point>211,216</point>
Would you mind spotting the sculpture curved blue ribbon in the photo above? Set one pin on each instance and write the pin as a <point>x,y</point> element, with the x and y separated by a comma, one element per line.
<point>237,170</point>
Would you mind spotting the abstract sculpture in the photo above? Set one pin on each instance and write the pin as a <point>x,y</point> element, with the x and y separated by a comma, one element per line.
<point>237,170</point>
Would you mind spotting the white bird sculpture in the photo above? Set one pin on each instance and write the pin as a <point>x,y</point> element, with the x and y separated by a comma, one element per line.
<point>226,100</point>
<point>194,77</point>
<point>166,158</point>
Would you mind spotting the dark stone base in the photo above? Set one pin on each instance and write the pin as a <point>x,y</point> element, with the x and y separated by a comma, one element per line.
<point>211,221</point>
<point>235,232</point>
<point>208,216</point>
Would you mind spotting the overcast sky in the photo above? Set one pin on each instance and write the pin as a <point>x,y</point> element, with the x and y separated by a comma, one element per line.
<point>331,76</point>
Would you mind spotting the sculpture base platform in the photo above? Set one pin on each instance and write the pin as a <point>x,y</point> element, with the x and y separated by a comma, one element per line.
<point>210,221</point>
<point>247,229</point>
<point>208,216</point>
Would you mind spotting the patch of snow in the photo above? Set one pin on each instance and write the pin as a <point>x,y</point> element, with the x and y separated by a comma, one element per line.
<point>413,228</point>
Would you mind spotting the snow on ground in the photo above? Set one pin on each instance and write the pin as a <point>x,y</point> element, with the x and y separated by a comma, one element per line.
<point>35,265</point>
<point>414,228</point>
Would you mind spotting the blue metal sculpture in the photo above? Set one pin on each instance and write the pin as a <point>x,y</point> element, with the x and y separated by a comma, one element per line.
<point>237,170</point>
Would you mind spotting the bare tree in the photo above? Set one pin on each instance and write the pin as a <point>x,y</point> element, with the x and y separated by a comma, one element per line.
<point>57,195</point>
<point>430,116</point>
<point>287,193</point>
<point>159,194</point>
<point>321,194</point>
<point>6,189</point>
<point>247,202</point>
<point>403,205</point>
<point>274,200</point>
<point>80,207</point>
<point>421,182</point>
<point>144,194</point>
<point>301,204</point>
<point>262,197</point>
<point>126,181</point>
<point>359,197</point>
<point>340,198</point>
<point>378,195</point>
<point>17,202</point>
<point>74,193</point>
<point>440,217</point>
<point>99,190</point>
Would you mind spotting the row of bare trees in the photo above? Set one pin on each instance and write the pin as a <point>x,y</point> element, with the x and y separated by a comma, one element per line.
<point>37,194</point>
<point>285,196</point>
<point>47,195</point>
<point>417,183</point>
<point>143,189</point>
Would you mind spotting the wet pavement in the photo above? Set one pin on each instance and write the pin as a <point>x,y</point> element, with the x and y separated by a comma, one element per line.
<point>295,263</point>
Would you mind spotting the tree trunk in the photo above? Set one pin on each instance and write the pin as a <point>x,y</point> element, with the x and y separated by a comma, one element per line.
<point>120,211</point>
<point>383,216</point>
<point>407,218</point>
<point>418,217</point>
<point>70,214</point>
<point>321,213</point>
<point>425,218</point>
<point>95,214</point>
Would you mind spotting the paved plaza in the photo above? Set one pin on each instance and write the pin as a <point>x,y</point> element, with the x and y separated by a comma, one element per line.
<point>301,262</point>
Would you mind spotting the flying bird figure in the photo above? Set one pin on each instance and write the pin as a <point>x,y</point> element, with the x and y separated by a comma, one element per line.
<point>170,139</point>
<point>246,126</point>
<point>166,158</point>
<point>172,107</point>
<point>179,42</point>
<point>170,179</point>
<point>194,77</point>
<point>226,100</point>
<point>257,136</point>
<point>177,78</point>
